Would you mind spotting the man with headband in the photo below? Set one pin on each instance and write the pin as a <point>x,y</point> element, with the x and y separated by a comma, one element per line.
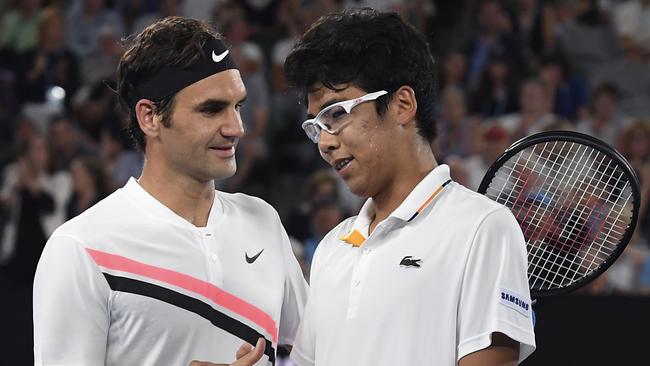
<point>166,270</point>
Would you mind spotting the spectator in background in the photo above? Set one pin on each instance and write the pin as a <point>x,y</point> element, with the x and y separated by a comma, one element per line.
<point>568,90</point>
<point>166,8</point>
<point>631,21</point>
<point>454,70</point>
<point>533,24</point>
<point>200,9</point>
<point>606,120</point>
<point>89,184</point>
<point>102,63</point>
<point>49,65</point>
<point>24,196</point>
<point>261,14</point>
<point>119,161</point>
<point>586,36</point>
<point>634,145</point>
<point>94,107</point>
<point>320,185</point>
<point>65,143</point>
<point>469,171</point>
<point>493,35</point>
<point>456,130</point>
<point>26,201</point>
<point>292,155</point>
<point>535,112</point>
<point>326,213</point>
<point>130,10</point>
<point>85,20</point>
<point>8,109</point>
<point>496,94</point>
<point>631,75</point>
<point>19,30</point>
<point>631,271</point>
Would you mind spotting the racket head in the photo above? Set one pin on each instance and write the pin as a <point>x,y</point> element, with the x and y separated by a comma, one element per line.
<point>576,199</point>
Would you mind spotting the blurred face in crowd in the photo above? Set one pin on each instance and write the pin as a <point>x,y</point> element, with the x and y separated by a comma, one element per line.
<point>605,105</point>
<point>82,180</point>
<point>490,17</point>
<point>526,5</point>
<point>51,32</point>
<point>453,105</point>
<point>551,74</point>
<point>170,7</point>
<point>37,155</point>
<point>498,72</point>
<point>93,6</point>
<point>30,6</point>
<point>533,98</point>
<point>640,144</point>
<point>326,218</point>
<point>109,44</point>
<point>204,129</point>
<point>455,66</point>
<point>61,135</point>
<point>494,143</point>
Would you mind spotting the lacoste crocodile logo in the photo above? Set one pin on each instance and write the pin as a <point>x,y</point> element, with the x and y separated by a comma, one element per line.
<point>408,261</point>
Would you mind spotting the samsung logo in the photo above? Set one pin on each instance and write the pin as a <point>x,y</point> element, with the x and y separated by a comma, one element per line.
<point>514,301</point>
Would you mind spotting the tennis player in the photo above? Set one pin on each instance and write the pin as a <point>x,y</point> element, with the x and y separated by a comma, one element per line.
<point>429,272</point>
<point>166,270</point>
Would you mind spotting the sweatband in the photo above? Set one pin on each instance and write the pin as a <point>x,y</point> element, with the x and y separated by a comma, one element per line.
<point>171,79</point>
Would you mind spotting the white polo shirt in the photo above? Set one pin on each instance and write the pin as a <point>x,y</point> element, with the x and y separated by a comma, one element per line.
<point>427,287</point>
<point>129,282</point>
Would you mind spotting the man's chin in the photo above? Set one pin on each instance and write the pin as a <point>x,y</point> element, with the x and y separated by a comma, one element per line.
<point>224,174</point>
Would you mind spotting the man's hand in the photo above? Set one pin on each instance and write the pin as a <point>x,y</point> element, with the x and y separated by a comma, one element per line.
<point>246,355</point>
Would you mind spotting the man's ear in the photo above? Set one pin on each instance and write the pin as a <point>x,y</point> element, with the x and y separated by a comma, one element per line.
<point>145,111</point>
<point>404,105</point>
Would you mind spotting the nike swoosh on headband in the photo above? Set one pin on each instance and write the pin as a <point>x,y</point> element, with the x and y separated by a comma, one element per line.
<point>218,58</point>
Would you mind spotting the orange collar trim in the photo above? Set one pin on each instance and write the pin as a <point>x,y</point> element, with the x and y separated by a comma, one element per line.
<point>354,238</point>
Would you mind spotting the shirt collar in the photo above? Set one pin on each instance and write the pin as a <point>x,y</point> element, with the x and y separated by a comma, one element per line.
<point>157,209</point>
<point>419,199</point>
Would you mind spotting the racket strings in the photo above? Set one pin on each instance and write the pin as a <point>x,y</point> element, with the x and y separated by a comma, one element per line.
<point>573,204</point>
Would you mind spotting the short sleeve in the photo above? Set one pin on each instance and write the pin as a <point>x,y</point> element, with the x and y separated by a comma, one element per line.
<point>295,295</point>
<point>71,311</point>
<point>495,296</point>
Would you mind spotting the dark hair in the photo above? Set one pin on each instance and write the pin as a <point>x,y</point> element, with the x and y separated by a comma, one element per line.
<point>607,87</point>
<point>371,50</point>
<point>172,41</point>
<point>96,169</point>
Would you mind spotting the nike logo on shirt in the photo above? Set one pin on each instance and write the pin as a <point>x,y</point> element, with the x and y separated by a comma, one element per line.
<point>253,258</point>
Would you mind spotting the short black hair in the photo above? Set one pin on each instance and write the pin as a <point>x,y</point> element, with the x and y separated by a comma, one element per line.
<point>372,50</point>
<point>607,88</point>
<point>172,41</point>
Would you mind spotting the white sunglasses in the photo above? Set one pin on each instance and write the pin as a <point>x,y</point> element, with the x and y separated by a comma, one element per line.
<point>334,117</point>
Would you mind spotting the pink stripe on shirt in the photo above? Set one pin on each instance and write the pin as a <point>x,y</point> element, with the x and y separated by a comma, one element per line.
<point>206,289</point>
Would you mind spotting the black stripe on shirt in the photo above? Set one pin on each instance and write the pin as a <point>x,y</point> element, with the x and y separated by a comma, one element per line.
<point>219,319</point>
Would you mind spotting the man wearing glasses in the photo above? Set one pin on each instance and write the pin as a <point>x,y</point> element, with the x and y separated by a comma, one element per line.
<point>429,272</point>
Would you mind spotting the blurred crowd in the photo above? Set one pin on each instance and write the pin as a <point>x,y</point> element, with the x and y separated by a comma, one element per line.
<point>506,69</point>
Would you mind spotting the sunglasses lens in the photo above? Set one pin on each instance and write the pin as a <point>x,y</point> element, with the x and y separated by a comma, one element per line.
<point>332,117</point>
<point>313,131</point>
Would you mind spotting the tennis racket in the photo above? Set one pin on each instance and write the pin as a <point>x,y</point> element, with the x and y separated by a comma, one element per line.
<point>576,200</point>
